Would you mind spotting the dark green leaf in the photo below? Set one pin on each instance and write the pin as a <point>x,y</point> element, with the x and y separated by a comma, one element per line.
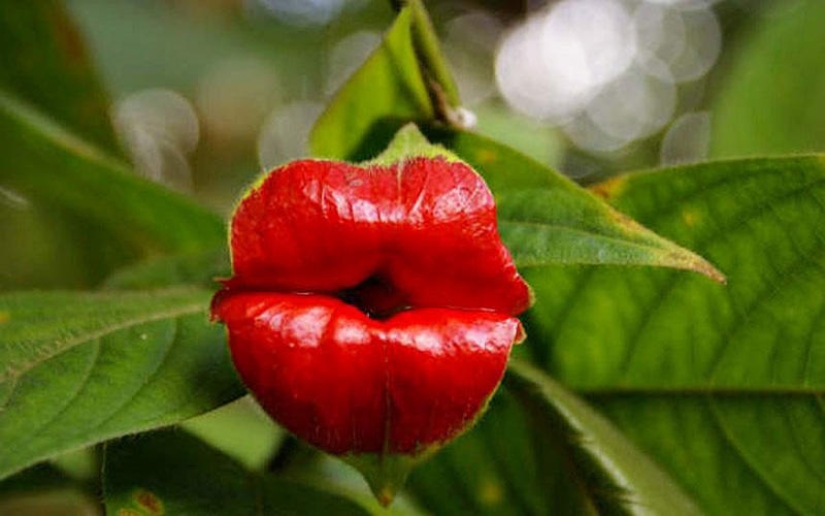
<point>772,99</point>
<point>722,385</point>
<point>46,63</point>
<point>545,219</point>
<point>496,468</point>
<point>42,477</point>
<point>171,472</point>
<point>613,477</point>
<point>540,450</point>
<point>115,216</point>
<point>78,368</point>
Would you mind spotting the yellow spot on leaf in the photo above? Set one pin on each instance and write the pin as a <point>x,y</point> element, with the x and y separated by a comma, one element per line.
<point>486,156</point>
<point>4,317</point>
<point>611,188</point>
<point>490,493</point>
<point>690,218</point>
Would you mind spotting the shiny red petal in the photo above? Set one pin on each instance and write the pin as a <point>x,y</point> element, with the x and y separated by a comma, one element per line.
<point>426,226</point>
<point>350,384</point>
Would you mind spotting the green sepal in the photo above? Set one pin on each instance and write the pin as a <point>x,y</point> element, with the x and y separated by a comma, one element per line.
<point>386,474</point>
<point>409,143</point>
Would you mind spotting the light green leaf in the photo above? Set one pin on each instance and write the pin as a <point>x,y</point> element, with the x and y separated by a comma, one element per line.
<point>79,368</point>
<point>384,94</point>
<point>772,100</point>
<point>241,430</point>
<point>46,63</point>
<point>434,65</point>
<point>404,80</point>
<point>723,385</point>
<point>113,215</point>
<point>169,472</point>
<point>546,219</point>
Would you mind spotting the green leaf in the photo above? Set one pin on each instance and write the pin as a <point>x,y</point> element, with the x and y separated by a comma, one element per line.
<point>46,63</point>
<point>116,216</point>
<point>79,368</point>
<point>435,69</point>
<point>404,80</point>
<point>546,219</point>
<point>722,385</point>
<point>384,94</point>
<point>169,472</point>
<point>772,100</point>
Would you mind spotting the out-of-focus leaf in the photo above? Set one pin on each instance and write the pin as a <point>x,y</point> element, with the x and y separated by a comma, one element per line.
<point>117,217</point>
<point>171,472</point>
<point>41,477</point>
<point>773,97</point>
<point>79,368</point>
<point>723,386</point>
<point>546,219</point>
<point>404,80</point>
<point>45,62</point>
<point>241,430</point>
<point>202,268</point>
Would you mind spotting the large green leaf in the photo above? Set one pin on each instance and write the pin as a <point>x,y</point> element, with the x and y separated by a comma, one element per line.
<point>772,99</point>
<point>546,219</point>
<point>723,385</point>
<point>405,79</point>
<point>78,368</point>
<point>113,216</point>
<point>541,450</point>
<point>169,472</point>
<point>46,63</point>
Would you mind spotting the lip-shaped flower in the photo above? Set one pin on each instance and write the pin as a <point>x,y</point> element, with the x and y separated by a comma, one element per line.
<point>371,311</point>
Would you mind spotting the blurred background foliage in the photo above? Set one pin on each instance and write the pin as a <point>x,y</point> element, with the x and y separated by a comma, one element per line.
<point>208,94</point>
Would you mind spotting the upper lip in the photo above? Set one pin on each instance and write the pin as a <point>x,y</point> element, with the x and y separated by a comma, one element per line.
<point>420,233</point>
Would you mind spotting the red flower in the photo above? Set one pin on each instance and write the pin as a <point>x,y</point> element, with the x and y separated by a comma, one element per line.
<point>372,308</point>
